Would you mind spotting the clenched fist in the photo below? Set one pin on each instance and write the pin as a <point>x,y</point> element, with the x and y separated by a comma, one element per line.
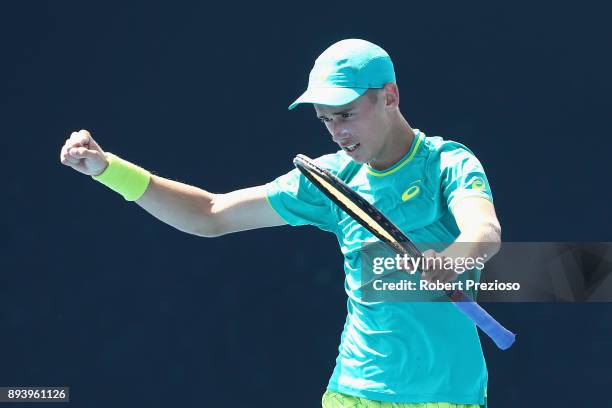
<point>83,154</point>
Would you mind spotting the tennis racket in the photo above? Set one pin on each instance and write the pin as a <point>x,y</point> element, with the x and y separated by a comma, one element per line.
<point>379,225</point>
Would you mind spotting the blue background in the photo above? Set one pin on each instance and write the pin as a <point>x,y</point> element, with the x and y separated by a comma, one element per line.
<point>97,295</point>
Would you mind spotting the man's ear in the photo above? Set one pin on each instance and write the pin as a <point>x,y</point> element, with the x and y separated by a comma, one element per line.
<point>391,94</point>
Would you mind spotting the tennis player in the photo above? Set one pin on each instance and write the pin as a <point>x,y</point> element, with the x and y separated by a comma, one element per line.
<point>413,354</point>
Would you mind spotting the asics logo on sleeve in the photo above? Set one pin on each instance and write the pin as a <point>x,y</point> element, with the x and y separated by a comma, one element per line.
<point>477,184</point>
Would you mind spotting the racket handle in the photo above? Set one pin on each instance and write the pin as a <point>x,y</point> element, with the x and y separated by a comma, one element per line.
<point>502,337</point>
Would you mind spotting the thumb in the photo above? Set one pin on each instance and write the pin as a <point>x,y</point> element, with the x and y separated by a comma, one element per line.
<point>91,143</point>
<point>84,135</point>
<point>430,253</point>
<point>80,138</point>
<point>83,153</point>
<point>429,258</point>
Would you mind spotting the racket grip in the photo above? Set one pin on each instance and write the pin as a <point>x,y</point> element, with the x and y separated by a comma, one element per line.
<point>502,337</point>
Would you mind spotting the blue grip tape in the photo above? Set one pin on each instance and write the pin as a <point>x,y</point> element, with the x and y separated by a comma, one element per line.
<point>502,337</point>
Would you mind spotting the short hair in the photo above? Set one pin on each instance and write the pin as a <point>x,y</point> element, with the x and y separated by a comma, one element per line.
<point>372,94</point>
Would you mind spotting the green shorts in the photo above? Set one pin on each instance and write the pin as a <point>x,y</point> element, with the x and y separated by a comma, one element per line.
<point>332,399</point>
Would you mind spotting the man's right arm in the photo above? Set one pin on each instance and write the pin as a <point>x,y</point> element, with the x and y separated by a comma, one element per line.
<point>196,211</point>
<point>187,208</point>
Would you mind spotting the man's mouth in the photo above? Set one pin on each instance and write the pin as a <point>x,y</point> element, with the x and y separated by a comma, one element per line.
<point>351,148</point>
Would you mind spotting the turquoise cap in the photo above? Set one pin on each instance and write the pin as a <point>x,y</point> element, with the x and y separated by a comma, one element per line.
<point>345,71</point>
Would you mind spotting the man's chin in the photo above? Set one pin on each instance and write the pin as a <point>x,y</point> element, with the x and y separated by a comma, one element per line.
<point>358,156</point>
<point>359,160</point>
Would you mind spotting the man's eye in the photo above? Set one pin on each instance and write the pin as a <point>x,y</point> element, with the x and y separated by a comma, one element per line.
<point>324,120</point>
<point>346,115</point>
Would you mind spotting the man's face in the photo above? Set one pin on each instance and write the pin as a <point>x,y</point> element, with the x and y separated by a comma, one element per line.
<point>359,128</point>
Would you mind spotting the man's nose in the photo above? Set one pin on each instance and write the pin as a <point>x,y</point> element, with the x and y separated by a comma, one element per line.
<point>339,132</point>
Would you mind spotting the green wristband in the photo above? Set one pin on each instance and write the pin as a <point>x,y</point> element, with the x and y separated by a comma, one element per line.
<point>124,177</point>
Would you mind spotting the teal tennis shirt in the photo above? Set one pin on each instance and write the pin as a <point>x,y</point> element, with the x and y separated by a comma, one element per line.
<point>398,351</point>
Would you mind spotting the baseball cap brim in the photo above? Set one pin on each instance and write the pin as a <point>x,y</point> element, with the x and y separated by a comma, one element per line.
<point>331,96</point>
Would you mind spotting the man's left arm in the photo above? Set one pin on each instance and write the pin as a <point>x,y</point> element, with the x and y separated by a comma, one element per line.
<point>480,236</point>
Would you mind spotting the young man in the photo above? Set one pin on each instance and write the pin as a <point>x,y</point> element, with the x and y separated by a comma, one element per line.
<point>409,353</point>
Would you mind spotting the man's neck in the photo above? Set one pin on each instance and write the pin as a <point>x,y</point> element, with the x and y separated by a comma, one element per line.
<point>399,141</point>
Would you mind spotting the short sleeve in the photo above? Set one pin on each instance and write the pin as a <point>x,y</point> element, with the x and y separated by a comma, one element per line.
<point>462,175</point>
<point>299,202</point>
